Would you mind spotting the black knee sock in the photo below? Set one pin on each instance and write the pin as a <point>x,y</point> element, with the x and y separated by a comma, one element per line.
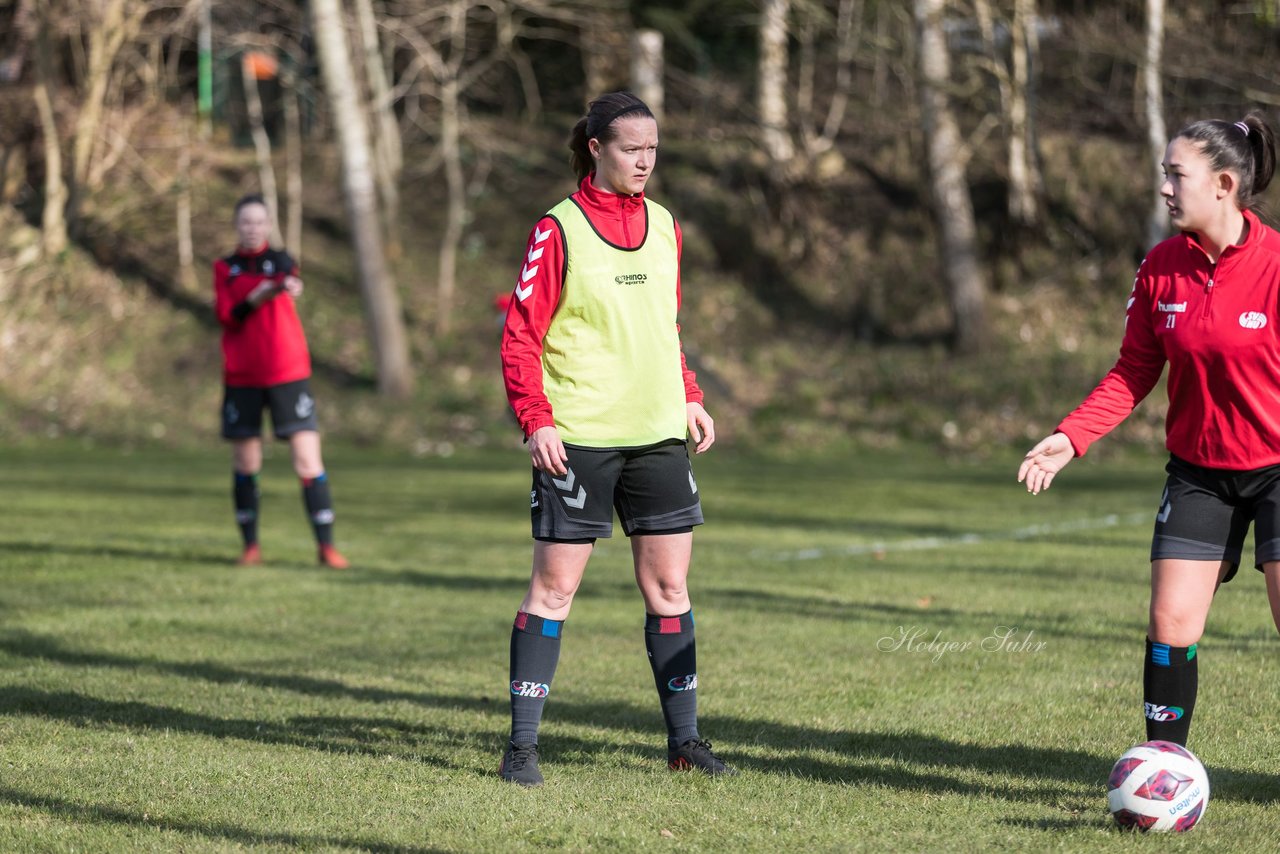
<point>673,657</point>
<point>315,495</point>
<point>535,650</point>
<point>245,492</point>
<point>1169,680</point>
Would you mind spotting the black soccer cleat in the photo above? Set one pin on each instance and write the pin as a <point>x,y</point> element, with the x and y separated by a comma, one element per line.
<point>695,755</point>
<point>520,765</point>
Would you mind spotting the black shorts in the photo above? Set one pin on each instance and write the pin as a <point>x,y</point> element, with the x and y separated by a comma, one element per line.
<point>652,488</point>
<point>1205,513</point>
<point>293,410</point>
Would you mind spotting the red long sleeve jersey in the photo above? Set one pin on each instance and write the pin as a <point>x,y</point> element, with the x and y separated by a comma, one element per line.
<point>266,345</point>
<point>1217,327</point>
<point>618,219</point>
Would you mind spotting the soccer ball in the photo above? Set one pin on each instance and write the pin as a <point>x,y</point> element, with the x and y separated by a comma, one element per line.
<point>1158,785</point>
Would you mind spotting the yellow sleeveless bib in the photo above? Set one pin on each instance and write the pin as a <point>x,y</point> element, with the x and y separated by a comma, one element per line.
<point>611,356</point>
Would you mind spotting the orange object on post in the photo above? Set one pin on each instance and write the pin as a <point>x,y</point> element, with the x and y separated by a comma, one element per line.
<point>263,66</point>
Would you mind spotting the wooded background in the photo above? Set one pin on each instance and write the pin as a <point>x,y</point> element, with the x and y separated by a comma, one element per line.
<point>884,201</point>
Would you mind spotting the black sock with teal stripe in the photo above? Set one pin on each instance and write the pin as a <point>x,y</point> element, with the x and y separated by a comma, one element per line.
<point>319,504</point>
<point>535,651</point>
<point>244,490</point>
<point>1169,681</point>
<point>674,659</point>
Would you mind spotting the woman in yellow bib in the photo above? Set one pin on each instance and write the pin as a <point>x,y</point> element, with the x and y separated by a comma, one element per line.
<point>592,363</point>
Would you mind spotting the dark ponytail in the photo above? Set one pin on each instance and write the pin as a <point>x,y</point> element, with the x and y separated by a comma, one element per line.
<point>598,124</point>
<point>1246,147</point>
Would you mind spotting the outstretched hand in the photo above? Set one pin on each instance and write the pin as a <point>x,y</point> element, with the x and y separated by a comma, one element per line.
<point>1044,461</point>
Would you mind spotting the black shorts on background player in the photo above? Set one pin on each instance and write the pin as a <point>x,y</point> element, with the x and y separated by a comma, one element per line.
<point>1205,513</point>
<point>651,487</point>
<point>293,410</point>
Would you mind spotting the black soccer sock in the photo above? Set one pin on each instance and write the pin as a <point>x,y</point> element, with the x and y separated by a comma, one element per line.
<point>315,495</point>
<point>535,651</point>
<point>244,490</point>
<point>673,657</point>
<point>1169,679</point>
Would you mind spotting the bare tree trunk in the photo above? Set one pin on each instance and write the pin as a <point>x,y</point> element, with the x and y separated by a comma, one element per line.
<point>455,218</point>
<point>387,150</point>
<point>772,97</point>
<point>119,21</point>
<point>24,26</point>
<point>647,70</point>
<point>387,129</point>
<point>881,69</point>
<point>53,221</point>
<point>382,305</point>
<point>606,39</point>
<point>848,27</point>
<point>995,64</point>
<point>807,67</point>
<point>520,61</point>
<point>261,145</point>
<point>186,253</point>
<point>952,204</point>
<point>292,166</point>
<point>1024,178</point>
<point>1153,103</point>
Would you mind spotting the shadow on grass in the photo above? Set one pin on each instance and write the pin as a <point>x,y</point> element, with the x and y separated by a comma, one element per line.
<point>380,737</point>
<point>375,737</point>
<point>903,760</point>
<point>109,815</point>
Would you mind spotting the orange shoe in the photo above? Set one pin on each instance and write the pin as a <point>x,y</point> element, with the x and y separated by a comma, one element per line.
<point>252,556</point>
<point>331,557</point>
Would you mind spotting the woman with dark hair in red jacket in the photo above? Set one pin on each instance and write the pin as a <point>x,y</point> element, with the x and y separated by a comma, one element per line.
<point>266,365</point>
<point>594,372</point>
<point>1205,301</point>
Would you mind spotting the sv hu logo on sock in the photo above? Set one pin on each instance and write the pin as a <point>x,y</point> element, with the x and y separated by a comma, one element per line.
<point>1162,714</point>
<point>684,683</point>
<point>537,690</point>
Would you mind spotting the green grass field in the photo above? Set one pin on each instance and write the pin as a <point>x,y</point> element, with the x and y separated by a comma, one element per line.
<point>155,698</point>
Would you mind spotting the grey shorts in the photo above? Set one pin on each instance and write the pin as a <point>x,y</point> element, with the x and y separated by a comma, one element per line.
<point>293,410</point>
<point>1205,513</point>
<point>651,488</point>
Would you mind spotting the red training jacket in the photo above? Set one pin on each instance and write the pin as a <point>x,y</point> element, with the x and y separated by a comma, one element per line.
<point>1218,327</point>
<point>620,220</point>
<point>264,346</point>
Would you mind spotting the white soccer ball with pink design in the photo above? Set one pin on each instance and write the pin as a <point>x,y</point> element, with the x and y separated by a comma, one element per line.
<point>1158,785</point>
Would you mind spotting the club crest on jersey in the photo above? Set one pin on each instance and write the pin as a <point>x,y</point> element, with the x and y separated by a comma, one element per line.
<point>1253,320</point>
<point>268,266</point>
<point>235,270</point>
